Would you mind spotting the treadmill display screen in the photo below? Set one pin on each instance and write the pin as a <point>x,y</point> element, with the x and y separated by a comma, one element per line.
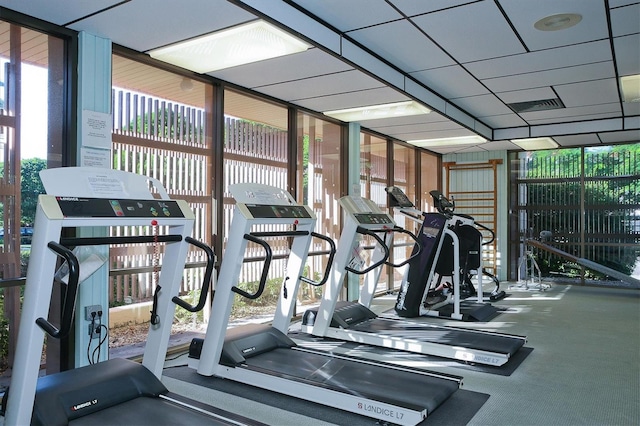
<point>101,207</point>
<point>264,211</point>
<point>373,219</point>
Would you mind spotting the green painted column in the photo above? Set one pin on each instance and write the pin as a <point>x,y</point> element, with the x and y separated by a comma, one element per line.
<point>94,98</point>
<point>353,176</point>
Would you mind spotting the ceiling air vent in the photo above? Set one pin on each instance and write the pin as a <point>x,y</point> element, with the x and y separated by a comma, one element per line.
<point>532,106</point>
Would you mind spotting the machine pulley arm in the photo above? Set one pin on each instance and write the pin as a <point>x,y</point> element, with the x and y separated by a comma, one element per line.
<point>70,295</point>
<point>332,252</point>
<point>493,234</point>
<point>208,272</point>
<point>265,267</point>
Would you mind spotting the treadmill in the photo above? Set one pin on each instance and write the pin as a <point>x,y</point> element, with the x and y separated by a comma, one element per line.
<point>355,322</point>
<point>264,356</point>
<point>116,391</point>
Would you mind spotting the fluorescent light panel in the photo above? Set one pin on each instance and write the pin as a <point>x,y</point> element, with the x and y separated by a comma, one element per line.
<point>533,144</point>
<point>239,45</point>
<point>463,140</point>
<point>376,112</point>
<point>630,88</point>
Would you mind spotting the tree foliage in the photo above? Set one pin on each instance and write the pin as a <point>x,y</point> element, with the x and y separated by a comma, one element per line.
<point>30,187</point>
<point>591,200</point>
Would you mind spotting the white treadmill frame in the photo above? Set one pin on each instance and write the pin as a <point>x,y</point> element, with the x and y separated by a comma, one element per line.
<point>88,183</point>
<point>322,327</point>
<point>209,362</point>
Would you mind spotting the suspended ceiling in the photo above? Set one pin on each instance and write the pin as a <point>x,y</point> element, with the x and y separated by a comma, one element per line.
<point>471,62</point>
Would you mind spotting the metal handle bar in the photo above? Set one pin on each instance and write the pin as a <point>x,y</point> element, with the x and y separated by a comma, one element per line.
<point>332,253</point>
<point>364,231</point>
<point>208,272</point>
<point>69,303</point>
<point>414,255</point>
<point>265,268</point>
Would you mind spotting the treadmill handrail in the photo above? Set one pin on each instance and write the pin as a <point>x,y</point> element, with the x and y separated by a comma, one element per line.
<point>384,247</point>
<point>265,268</point>
<point>206,282</point>
<point>414,255</point>
<point>332,252</point>
<point>70,295</point>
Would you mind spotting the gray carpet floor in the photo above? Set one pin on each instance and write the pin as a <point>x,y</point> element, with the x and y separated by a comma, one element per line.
<point>583,366</point>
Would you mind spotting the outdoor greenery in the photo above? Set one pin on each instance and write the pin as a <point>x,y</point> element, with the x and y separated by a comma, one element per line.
<point>601,205</point>
<point>30,188</point>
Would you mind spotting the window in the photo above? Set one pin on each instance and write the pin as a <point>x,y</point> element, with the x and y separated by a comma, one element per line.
<point>374,178</point>
<point>404,177</point>
<point>255,151</point>
<point>162,129</point>
<point>583,202</point>
<point>32,116</point>
<point>319,186</point>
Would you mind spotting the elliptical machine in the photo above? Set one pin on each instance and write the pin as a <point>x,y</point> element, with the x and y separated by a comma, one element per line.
<point>451,247</point>
<point>470,248</point>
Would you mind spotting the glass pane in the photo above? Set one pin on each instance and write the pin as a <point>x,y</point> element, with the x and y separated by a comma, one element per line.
<point>374,175</point>
<point>404,177</point>
<point>429,173</point>
<point>319,186</point>
<point>255,151</point>
<point>161,129</point>
<point>592,215</point>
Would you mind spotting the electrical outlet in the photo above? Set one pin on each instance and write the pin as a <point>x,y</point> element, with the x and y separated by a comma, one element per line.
<point>89,309</point>
<point>94,331</point>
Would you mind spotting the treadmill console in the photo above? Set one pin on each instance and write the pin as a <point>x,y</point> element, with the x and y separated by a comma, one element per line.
<point>374,219</point>
<point>279,211</point>
<point>101,207</point>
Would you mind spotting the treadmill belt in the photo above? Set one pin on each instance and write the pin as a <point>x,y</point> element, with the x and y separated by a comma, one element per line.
<point>376,382</point>
<point>443,335</point>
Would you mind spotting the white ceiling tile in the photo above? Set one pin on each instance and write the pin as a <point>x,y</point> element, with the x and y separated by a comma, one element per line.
<point>560,57</point>
<point>577,140</point>
<point>584,113</point>
<point>627,50</point>
<point>631,109</point>
<point>588,93</point>
<point>56,13</point>
<point>500,145</point>
<point>403,45</point>
<point>313,62</point>
<point>482,105</point>
<point>488,36</point>
<point>624,136</point>
<point>352,14</point>
<point>142,25</point>
<point>524,14</point>
<point>381,95</point>
<point>551,77</point>
<point>504,120</point>
<point>324,85</point>
<point>451,82</point>
<point>413,7</point>
<point>625,20</point>
<point>618,3</point>
<point>424,119</point>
